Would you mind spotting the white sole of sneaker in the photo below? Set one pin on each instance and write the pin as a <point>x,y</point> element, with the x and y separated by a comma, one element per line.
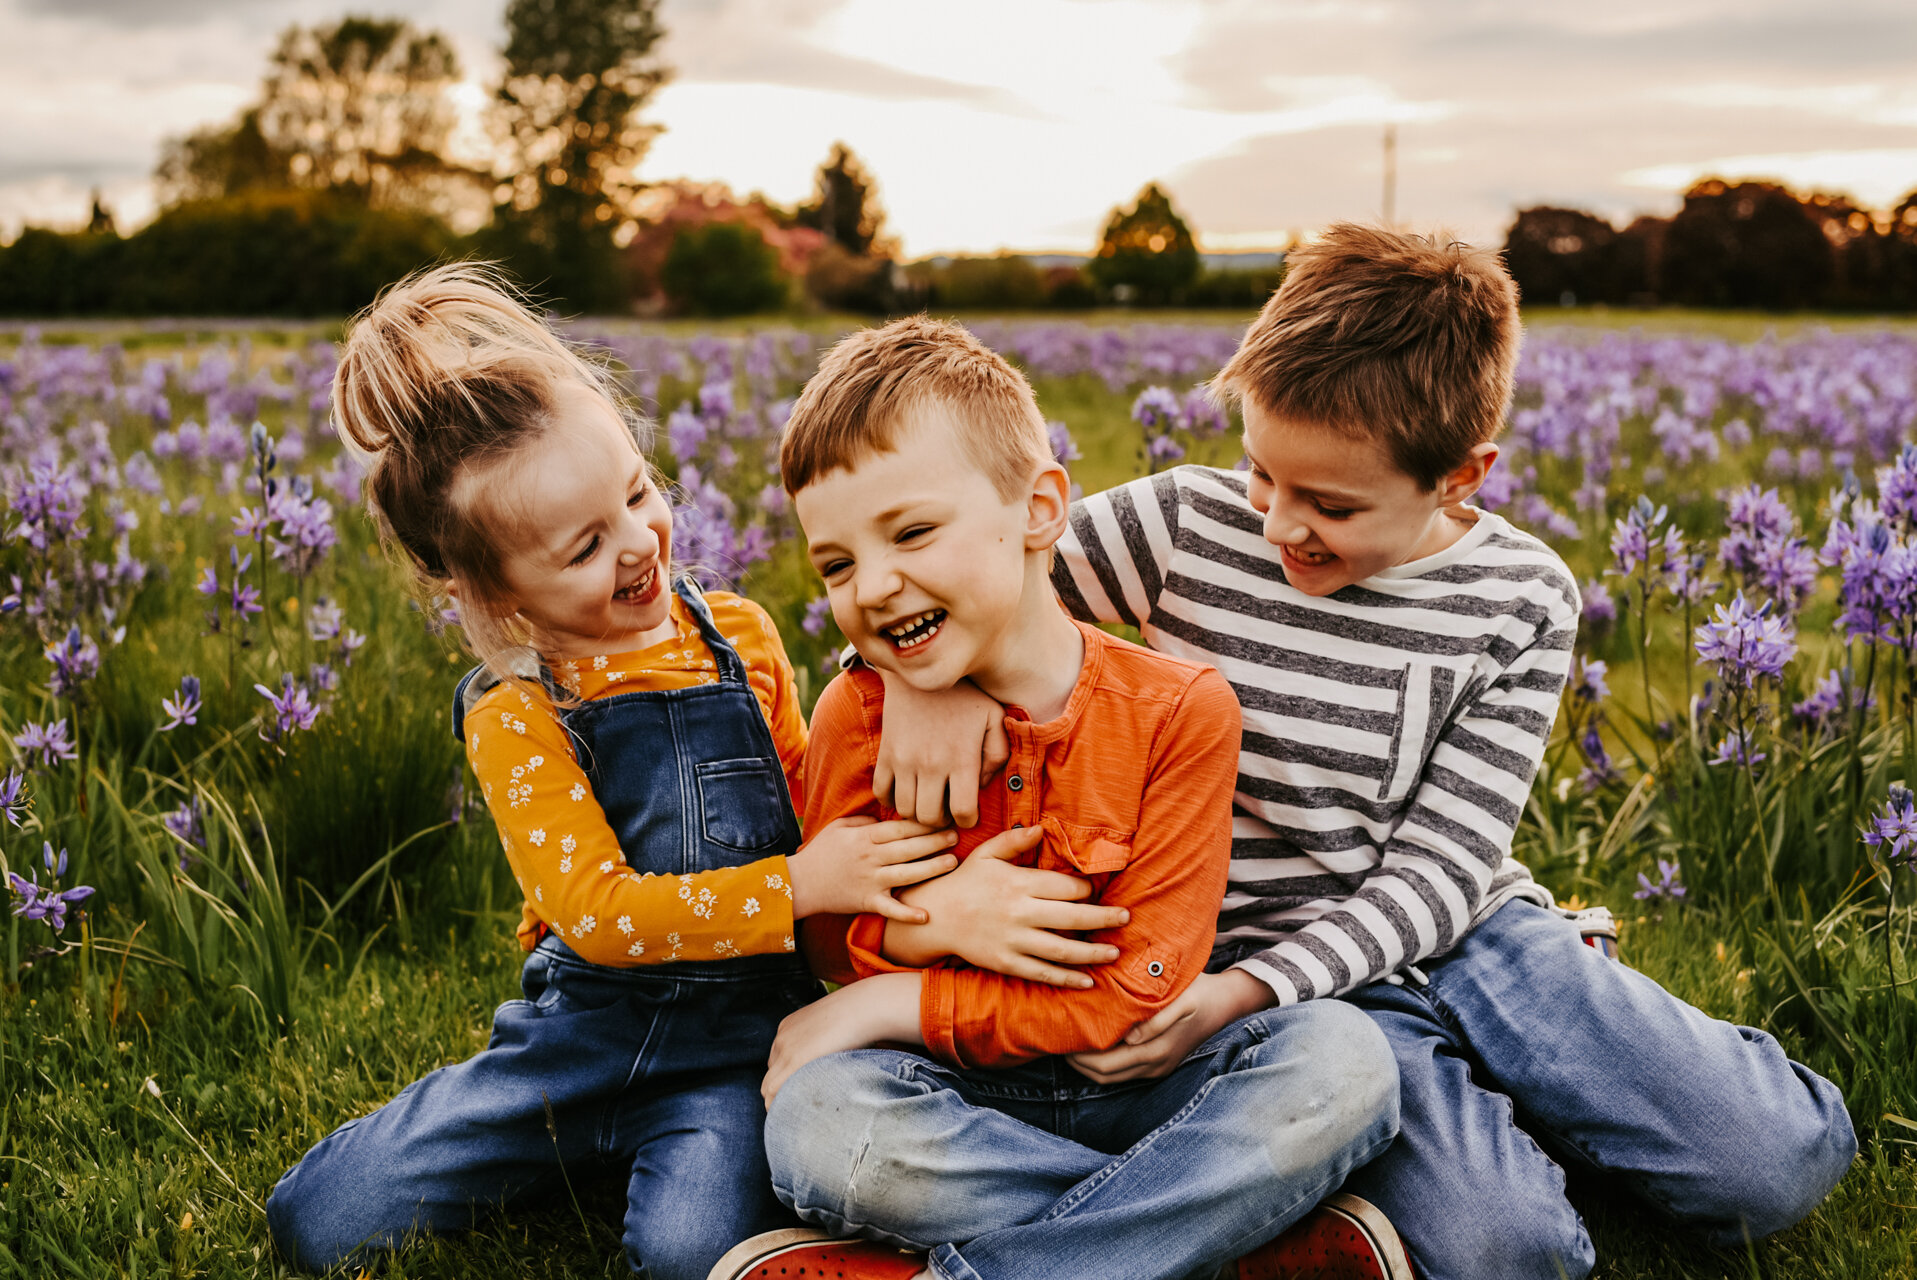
<point>1378,1227</point>
<point>760,1247</point>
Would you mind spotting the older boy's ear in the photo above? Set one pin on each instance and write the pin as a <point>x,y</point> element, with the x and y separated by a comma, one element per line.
<point>1468,476</point>
<point>1048,507</point>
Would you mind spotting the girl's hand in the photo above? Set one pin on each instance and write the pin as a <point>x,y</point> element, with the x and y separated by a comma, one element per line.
<point>936,750</point>
<point>883,1008</point>
<point>853,865</point>
<point>1155,1046</point>
<point>1007,918</point>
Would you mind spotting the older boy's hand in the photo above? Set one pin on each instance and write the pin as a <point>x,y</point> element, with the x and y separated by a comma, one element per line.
<point>936,750</point>
<point>881,1009</point>
<point>1155,1046</point>
<point>1007,918</point>
<point>853,865</point>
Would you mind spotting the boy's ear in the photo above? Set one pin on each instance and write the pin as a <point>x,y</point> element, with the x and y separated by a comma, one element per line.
<point>1048,507</point>
<point>1468,476</point>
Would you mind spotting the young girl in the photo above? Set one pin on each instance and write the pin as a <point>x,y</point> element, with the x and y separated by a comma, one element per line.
<point>639,746</point>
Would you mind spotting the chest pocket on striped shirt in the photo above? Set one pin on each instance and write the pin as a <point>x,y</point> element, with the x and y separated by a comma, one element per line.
<point>1425,697</point>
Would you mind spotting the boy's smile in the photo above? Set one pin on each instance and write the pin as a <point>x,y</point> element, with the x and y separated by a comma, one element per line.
<point>1337,506</point>
<point>931,571</point>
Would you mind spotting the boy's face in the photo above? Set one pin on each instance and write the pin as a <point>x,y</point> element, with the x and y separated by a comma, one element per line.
<point>1337,507</point>
<point>924,562</point>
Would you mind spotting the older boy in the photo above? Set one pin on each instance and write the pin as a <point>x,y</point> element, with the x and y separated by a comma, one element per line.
<point>1399,657</point>
<point>919,467</point>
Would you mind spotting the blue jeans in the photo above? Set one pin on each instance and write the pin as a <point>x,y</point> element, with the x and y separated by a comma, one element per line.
<point>1526,1040</point>
<point>1035,1171</point>
<point>647,1074</point>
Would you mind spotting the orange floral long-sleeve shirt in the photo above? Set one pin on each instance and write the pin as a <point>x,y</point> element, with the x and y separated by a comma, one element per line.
<point>565,854</point>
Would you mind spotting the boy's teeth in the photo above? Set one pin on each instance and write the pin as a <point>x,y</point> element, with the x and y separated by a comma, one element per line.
<point>915,631</point>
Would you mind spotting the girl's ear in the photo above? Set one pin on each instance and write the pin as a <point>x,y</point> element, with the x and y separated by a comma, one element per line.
<point>1048,507</point>
<point>1468,476</point>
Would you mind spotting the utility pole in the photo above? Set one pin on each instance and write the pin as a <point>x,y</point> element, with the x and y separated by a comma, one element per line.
<point>1391,175</point>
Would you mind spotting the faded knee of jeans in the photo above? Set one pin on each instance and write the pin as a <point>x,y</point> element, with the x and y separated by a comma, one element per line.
<point>816,1132</point>
<point>1348,1062</point>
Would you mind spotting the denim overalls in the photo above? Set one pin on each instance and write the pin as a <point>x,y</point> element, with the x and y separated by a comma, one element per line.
<point>652,1071</point>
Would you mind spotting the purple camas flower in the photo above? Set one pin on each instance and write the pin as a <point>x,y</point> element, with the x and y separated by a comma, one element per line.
<point>1746,644</point>
<point>1892,830</point>
<point>1599,768</point>
<point>250,524</point>
<point>183,709</point>
<point>305,530</point>
<point>1635,538</point>
<point>1064,449</point>
<point>76,660</point>
<point>1587,681</point>
<point>245,601</point>
<point>1735,748</point>
<point>48,741</point>
<point>49,902</point>
<point>1157,410</point>
<point>293,709</point>
<point>13,796</point>
<point>187,824</point>
<point>209,583</point>
<point>1600,610</point>
<point>1827,700</point>
<point>1668,886</point>
<point>324,620</point>
<point>1897,489</point>
<point>817,614</point>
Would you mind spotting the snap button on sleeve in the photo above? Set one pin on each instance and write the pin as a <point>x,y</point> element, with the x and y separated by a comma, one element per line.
<point>1155,969</point>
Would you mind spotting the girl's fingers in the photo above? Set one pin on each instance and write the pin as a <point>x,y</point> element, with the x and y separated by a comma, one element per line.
<point>1048,886</point>
<point>899,874</point>
<point>902,829</point>
<point>1045,945</point>
<point>1075,917</point>
<point>911,849</point>
<point>904,794</point>
<point>1009,844</point>
<point>891,908</point>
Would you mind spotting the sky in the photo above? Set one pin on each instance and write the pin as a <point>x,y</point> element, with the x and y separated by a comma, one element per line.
<point>1019,124</point>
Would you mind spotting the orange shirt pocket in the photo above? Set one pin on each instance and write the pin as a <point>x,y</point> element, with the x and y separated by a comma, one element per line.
<point>1085,851</point>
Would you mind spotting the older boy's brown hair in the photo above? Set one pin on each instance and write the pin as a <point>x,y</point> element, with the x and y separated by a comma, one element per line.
<point>875,378</point>
<point>1400,338</point>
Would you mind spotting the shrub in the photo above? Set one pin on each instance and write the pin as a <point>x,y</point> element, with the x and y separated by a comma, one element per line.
<point>722,269</point>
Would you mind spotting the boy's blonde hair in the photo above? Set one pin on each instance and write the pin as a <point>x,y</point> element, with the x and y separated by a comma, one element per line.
<point>1400,338</point>
<point>445,374</point>
<point>875,378</point>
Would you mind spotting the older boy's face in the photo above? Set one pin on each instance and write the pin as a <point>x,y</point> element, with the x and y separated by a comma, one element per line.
<point>1336,506</point>
<point>923,560</point>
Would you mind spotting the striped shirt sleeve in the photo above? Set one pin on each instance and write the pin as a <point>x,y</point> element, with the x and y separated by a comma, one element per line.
<point>1436,869</point>
<point>1110,565</point>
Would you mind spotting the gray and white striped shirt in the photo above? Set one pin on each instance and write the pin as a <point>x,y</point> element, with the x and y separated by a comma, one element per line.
<point>1391,729</point>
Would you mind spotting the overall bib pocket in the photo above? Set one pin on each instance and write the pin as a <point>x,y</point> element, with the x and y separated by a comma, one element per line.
<point>741,804</point>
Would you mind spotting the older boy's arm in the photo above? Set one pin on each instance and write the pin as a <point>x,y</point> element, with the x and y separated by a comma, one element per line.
<point>880,1010</point>
<point>1172,887</point>
<point>1439,864</point>
<point>1110,565</point>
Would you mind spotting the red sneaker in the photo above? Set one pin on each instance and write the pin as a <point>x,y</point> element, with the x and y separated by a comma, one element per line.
<point>1344,1238</point>
<point>803,1253</point>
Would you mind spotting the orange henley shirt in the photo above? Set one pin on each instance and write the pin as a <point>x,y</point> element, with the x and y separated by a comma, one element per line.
<point>1133,786</point>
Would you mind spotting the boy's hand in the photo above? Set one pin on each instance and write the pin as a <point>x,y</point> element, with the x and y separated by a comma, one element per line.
<point>853,865</point>
<point>1006,918</point>
<point>882,1008</point>
<point>936,750</point>
<point>1153,1047</point>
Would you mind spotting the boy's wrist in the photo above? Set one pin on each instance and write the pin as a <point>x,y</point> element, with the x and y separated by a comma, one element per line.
<point>1239,994</point>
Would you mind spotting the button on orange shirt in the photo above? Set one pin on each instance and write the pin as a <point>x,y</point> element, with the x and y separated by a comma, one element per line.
<point>1132,784</point>
<point>565,854</point>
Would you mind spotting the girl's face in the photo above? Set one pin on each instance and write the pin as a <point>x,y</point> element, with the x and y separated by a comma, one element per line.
<point>589,563</point>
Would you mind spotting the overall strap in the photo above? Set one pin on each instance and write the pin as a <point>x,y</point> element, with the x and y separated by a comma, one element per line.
<point>732,668</point>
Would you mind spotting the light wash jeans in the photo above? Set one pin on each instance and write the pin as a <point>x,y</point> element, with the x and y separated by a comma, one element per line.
<point>1037,1173</point>
<point>1524,1039</point>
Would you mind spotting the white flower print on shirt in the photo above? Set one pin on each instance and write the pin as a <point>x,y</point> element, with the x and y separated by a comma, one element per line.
<point>585,926</point>
<point>599,663</point>
<point>605,868</point>
<point>567,844</point>
<point>788,943</point>
<point>625,925</point>
<point>724,947</point>
<point>751,908</point>
<point>538,837</point>
<point>565,866</point>
<point>512,722</point>
<point>578,791</point>
<point>778,885</point>
<point>637,949</point>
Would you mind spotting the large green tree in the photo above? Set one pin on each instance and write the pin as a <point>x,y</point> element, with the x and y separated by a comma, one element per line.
<point>845,205</point>
<point>567,116</point>
<point>1146,252</point>
<point>360,108</point>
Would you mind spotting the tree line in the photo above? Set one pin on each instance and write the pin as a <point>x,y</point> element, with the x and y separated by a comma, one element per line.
<point>1731,244</point>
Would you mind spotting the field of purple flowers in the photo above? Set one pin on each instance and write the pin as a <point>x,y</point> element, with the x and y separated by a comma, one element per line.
<point>250,894</point>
